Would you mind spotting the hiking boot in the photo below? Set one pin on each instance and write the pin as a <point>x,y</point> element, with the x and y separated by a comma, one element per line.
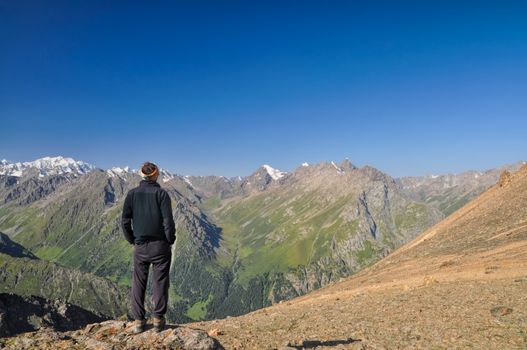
<point>139,326</point>
<point>159,323</point>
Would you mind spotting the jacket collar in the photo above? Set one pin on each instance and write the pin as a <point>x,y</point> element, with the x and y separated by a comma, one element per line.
<point>148,183</point>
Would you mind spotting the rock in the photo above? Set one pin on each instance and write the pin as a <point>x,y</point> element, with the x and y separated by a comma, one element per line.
<point>214,332</point>
<point>429,280</point>
<point>505,178</point>
<point>500,311</point>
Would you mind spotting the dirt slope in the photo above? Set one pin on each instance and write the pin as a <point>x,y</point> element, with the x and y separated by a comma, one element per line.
<point>461,284</point>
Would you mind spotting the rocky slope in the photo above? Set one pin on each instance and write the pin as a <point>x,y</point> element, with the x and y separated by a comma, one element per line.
<point>24,314</point>
<point>460,284</point>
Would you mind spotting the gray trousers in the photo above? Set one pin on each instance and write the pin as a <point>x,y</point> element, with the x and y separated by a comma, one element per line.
<point>158,254</point>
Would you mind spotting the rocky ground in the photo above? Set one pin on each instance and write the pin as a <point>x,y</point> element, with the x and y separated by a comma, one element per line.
<point>112,335</point>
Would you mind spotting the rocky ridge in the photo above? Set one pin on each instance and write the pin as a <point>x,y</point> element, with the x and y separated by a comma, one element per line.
<point>24,314</point>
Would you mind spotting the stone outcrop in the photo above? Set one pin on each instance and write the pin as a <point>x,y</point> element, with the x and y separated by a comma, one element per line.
<point>114,335</point>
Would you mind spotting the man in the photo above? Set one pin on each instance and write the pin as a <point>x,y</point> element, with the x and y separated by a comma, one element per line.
<point>148,224</point>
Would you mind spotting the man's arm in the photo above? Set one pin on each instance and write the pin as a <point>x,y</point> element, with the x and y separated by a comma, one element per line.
<point>168,220</point>
<point>126,219</point>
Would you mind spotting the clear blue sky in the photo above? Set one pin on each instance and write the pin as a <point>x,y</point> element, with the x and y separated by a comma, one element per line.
<point>221,87</point>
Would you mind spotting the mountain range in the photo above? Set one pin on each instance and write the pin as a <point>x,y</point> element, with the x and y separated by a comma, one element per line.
<point>242,243</point>
<point>459,285</point>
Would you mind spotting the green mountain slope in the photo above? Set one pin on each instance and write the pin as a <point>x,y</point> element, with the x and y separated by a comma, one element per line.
<point>26,275</point>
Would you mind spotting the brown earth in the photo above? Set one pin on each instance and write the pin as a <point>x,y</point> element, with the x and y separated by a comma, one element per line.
<point>461,284</point>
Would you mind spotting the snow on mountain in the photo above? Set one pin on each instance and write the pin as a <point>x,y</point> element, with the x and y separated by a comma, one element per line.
<point>46,166</point>
<point>274,173</point>
<point>339,170</point>
<point>305,164</point>
<point>166,175</point>
<point>186,178</point>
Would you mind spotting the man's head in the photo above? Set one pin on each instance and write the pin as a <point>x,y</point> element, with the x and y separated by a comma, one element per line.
<point>149,171</point>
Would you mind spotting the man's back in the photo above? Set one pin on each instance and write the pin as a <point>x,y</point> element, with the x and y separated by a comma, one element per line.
<point>150,209</point>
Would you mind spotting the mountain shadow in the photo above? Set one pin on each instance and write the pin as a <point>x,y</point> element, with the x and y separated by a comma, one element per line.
<point>312,344</point>
<point>11,248</point>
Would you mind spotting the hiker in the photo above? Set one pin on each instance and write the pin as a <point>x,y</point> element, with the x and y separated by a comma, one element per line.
<point>148,224</point>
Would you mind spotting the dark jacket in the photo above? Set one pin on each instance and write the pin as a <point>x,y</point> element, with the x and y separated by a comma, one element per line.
<point>149,210</point>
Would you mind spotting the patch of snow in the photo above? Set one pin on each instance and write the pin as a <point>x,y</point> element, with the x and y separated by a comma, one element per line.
<point>166,175</point>
<point>305,164</point>
<point>274,173</point>
<point>188,181</point>
<point>339,170</point>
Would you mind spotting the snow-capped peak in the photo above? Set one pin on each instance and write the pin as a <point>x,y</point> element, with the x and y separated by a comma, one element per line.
<point>46,166</point>
<point>274,173</point>
<point>118,171</point>
<point>305,164</point>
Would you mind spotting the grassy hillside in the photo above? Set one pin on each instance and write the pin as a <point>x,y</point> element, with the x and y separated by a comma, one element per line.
<point>27,277</point>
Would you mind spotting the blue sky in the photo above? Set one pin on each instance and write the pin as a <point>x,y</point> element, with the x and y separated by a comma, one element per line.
<point>410,87</point>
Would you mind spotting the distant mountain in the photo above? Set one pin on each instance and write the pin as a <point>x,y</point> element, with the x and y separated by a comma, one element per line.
<point>450,192</point>
<point>45,166</point>
<point>315,225</point>
<point>461,284</point>
<point>242,243</point>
